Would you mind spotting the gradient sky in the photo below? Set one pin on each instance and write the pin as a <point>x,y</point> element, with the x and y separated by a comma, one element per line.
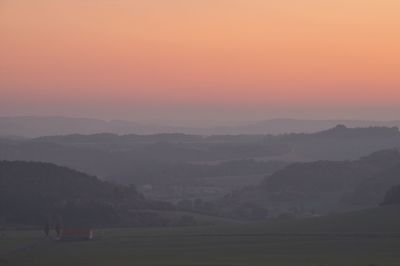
<point>200,59</point>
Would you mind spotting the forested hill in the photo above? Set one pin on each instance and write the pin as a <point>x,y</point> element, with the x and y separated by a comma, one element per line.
<point>392,197</point>
<point>32,191</point>
<point>326,186</point>
<point>51,182</point>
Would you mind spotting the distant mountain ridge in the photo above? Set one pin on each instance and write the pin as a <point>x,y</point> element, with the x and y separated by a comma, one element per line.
<point>107,154</point>
<point>36,126</point>
<point>45,126</point>
<point>287,126</point>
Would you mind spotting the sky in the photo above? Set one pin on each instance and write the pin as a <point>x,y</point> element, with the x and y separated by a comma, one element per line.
<point>200,60</point>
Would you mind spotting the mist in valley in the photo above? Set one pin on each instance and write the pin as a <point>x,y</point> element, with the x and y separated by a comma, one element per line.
<point>199,133</point>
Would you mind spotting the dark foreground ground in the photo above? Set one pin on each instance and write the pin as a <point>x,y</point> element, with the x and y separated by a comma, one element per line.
<point>203,246</point>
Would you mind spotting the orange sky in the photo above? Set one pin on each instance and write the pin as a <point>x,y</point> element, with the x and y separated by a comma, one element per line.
<point>88,57</point>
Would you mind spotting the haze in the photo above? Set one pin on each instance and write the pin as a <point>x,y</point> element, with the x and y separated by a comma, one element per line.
<point>200,132</point>
<point>200,60</point>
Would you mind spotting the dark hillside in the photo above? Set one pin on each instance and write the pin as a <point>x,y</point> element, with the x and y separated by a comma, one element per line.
<point>31,192</point>
<point>392,197</point>
<point>325,186</point>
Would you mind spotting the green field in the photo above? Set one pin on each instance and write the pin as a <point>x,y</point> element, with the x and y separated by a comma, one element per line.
<point>278,243</point>
<point>190,247</point>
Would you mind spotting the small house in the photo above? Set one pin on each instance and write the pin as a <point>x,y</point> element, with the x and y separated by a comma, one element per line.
<point>75,234</point>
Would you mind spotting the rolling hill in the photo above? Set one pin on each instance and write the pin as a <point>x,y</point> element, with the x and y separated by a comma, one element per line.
<point>324,186</point>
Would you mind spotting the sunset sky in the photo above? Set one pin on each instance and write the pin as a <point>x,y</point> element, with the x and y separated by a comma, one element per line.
<point>222,60</point>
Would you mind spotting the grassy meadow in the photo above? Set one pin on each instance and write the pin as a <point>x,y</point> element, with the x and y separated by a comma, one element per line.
<point>203,246</point>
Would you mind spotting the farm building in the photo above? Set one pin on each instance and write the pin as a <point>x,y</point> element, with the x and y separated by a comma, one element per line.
<point>75,234</point>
